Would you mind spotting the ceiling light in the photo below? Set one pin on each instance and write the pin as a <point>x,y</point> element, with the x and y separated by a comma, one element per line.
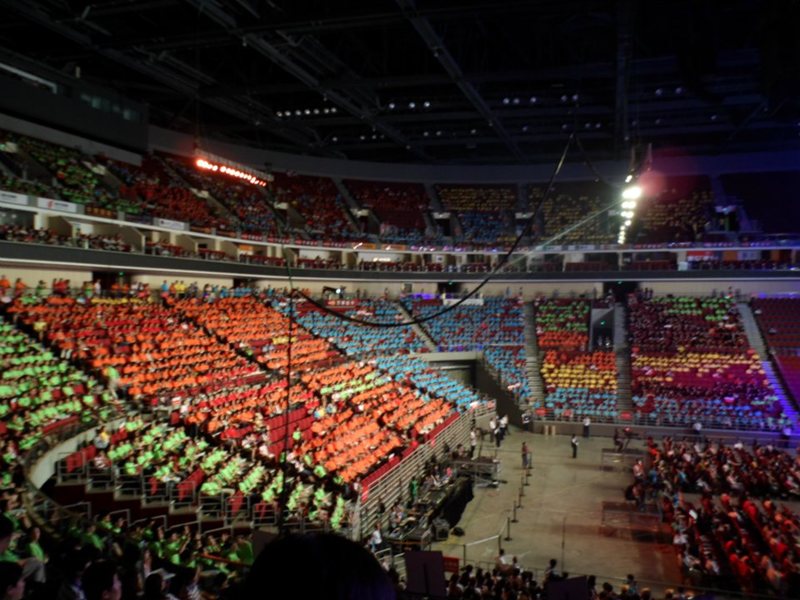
<point>316,111</point>
<point>333,110</point>
<point>473,131</point>
<point>516,100</point>
<point>334,139</point>
<point>633,192</point>
<point>298,112</point>
<point>627,222</point>
<point>425,133</point>
<point>629,204</point>
<point>279,114</point>
<point>426,104</point>
<point>362,137</point>
<point>307,111</point>
<point>412,105</point>
<point>391,105</point>
<point>533,100</point>
<point>524,128</point>
<point>438,133</point>
<point>629,178</point>
<point>575,97</point>
<point>564,98</point>
<point>679,90</point>
<point>626,214</point>
<point>659,91</point>
<point>506,100</point>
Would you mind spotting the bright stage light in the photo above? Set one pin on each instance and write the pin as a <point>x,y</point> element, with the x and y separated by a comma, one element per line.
<point>629,204</point>
<point>633,192</point>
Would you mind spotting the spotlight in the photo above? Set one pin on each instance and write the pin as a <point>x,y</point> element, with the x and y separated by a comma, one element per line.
<point>516,100</point>
<point>298,112</point>
<point>333,110</point>
<point>506,100</point>
<point>627,222</point>
<point>629,178</point>
<point>307,111</point>
<point>426,104</point>
<point>334,139</point>
<point>325,111</point>
<point>438,133</point>
<point>533,100</point>
<point>316,111</point>
<point>391,106</point>
<point>279,114</point>
<point>412,105</point>
<point>629,204</point>
<point>473,131</point>
<point>626,214</point>
<point>633,192</point>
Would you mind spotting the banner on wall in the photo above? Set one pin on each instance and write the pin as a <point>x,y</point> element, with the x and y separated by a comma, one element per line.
<point>13,198</point>
<point>170,224</point>
<point>467,302</point>
<point>59,205</point>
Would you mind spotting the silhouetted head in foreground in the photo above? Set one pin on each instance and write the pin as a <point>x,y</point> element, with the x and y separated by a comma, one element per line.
<point>321,566</point>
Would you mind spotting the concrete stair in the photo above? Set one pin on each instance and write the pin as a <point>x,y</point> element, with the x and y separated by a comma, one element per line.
<point>532,366</point>
<point>420,331</point>
<point>756,341</point>
<point>623,359</point>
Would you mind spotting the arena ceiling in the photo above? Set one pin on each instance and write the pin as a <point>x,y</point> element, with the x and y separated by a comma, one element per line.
<point>451,81</point>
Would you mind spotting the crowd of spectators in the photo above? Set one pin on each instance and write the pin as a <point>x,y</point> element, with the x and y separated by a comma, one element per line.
<point>691,362</point>
<point>486,213</point>
<point>319,204</point>
<point>678,211</point>
<point>400,207</point>
<point>248,203</point>
<point>567,205</point>
<point>728,538</point>
<point>562,323</point>
<point>470,326</point>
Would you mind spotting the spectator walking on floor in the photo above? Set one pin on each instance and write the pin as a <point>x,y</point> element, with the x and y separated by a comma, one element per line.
<point>574,443</point>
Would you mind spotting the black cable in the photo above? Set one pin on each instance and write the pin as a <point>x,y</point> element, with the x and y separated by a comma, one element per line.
<point>504,260</point>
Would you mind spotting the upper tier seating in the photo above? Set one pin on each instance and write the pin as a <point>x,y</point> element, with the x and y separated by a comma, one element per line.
<point>486,212</point>
<point>160,194</point>
<point>566,205</point>
<point>360,340</point>
<point>249,203</point>
<point>317,201</point>
<point>400,207</point>
<point>691,362</point>
<point>76,180</point>
<point>678,212</point>
<point>471,327</point>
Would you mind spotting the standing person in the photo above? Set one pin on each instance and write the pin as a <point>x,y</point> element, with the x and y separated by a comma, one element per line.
<point>526,420</point>
<point>504,425</point>
<point>493,428</point>
<point>473,442</point>
<point>525,456</point>
<point>587,422</point>
<point>574,443</point>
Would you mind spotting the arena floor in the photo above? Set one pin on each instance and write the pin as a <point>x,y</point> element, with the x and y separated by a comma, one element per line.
<point>561,516</point>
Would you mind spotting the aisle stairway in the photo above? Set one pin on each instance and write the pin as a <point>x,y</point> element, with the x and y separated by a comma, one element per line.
<point>420,331</point>
<point>532,353</point>
<point>623,355</point>
<point>756,341</point>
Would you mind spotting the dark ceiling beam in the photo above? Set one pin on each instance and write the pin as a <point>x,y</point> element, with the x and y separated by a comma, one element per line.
<point>436,45</point>
<point>124,7</point>
<point>170,78</point>
<point>283,57</point>
<point>623,71</point>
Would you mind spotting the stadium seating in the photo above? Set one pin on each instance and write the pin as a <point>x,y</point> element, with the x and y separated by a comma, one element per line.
<point>691,362</point>
<point>151,350</point>
<point>486,213</point>
<point>508,362</point>
<point>580,384</point>
<point>399,207</point>
<point>318,203</point>
<point>160,194</point>
<point>247,202</point>
<point>471,327</point>
<point>359,340</point>
<point>677,212</point>
<point>779,320</point>
<point>40,392</point>
<point>562,323</point>
<point>417,372</point>
<point>566,205</point>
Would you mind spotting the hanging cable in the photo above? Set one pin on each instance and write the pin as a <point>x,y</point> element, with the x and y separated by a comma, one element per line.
<point>502,263</point>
